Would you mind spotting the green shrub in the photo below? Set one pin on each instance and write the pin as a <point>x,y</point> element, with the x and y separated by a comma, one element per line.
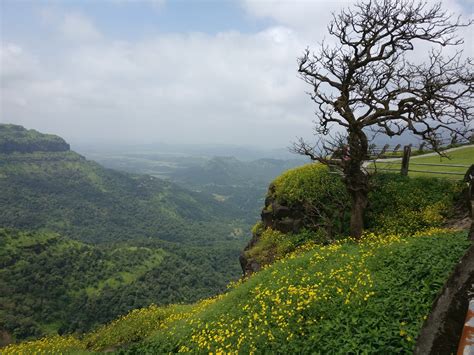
<point>257,228</point>
<point>311,183</point>
<point>399,204</point>
<point>274,245</point>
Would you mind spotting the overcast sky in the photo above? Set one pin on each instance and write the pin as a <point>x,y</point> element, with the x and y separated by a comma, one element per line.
<point>170,71</point>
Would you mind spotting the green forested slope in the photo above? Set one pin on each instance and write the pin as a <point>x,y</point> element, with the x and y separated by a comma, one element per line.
<point>50,283</point>
<point>46,279</point>
<point>197,239</point>
<point>15,138</point>
<point>64,192</point>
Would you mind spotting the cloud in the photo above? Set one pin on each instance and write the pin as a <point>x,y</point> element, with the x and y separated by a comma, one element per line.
<point>306,16</point>
<point>229,87</point>
<point>17,66</point>
<point>223,88</point>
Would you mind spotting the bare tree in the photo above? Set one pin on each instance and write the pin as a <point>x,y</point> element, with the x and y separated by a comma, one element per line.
<point>365,82</point>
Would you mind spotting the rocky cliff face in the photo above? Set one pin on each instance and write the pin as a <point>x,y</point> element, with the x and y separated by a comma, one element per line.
<point>277,216</point>
<point>280,216</point>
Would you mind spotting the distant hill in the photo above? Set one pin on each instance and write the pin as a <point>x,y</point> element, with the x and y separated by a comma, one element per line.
<point>63,192</point>
<point>240,183</point>
<point>15,138</point>
<point>231,171</point>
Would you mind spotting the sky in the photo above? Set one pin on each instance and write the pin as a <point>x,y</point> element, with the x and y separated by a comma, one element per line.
<point>164,71</point>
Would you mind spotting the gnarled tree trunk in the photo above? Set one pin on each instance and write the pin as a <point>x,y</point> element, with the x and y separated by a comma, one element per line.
<point>356,179</point>
<point>359,203</point>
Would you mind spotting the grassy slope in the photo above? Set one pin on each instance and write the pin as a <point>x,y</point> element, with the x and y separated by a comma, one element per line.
<point>370,297</point>
<point>463,156</point>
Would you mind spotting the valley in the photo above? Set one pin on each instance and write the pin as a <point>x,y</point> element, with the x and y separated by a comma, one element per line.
<point>123,240</point>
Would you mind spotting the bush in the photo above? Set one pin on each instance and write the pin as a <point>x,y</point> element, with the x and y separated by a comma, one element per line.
<point>400,204</point>
<point>311,183</point>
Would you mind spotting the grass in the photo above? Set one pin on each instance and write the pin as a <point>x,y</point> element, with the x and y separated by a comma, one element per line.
<point>367,297</point>
<point>464,156</point>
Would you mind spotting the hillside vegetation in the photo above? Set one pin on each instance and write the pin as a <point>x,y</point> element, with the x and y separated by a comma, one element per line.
<point>15,138</point>
<point>313,204</point>
<point>104,244</point>
<point>193,240</point>
<point>64,192</point>
<point>46,279</point>
<point>371,296</point>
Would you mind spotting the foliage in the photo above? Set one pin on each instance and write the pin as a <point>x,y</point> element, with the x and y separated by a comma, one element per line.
<point>396,205</point>
<point>371,297</point>
<point>311,183</point>
<point>136,325</point>
<point>51,284</point>
<point>15,138</point>
<point>319,193</point>
<point>46,279</point>
<point>63,192</point>
<point>274,245</point>
<point>401,204</point>
<point>48,345</point>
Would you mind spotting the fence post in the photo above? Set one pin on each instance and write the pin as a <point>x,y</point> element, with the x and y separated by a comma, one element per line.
<point>469,178</point>
<point>422,145</point>
<point>405,160</point>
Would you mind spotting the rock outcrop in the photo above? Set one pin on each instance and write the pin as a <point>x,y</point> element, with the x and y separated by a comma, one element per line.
<point>277,216</point>
<point>281,217</point>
